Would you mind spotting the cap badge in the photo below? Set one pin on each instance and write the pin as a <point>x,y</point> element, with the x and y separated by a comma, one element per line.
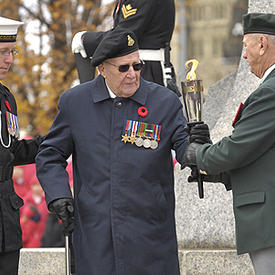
<point>131,41</point>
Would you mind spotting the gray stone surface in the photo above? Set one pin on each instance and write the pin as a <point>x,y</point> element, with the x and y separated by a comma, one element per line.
<point>42,261</point>
<point>209,223</point>
<point>214,262</point>
<point>51,261</point>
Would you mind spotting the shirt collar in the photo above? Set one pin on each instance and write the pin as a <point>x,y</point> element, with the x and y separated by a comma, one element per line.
<point>267,72</point>
<point>112,95</point>
<point>102,92</point>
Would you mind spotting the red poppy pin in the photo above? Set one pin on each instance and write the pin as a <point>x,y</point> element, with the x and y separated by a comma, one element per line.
<point>142,111</point>
<point>238,114</point>
<point>7,105</point>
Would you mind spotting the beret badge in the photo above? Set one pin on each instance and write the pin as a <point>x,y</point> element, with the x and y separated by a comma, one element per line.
<point>131,41</point>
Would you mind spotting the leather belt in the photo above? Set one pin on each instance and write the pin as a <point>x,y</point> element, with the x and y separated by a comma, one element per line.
<point>5,173</point>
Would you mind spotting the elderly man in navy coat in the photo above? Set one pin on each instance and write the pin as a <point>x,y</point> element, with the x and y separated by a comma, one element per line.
<point>120,130</point>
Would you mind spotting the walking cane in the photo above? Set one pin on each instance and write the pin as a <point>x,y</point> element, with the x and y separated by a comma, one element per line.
<point>67,255</point>
<point>67,246</point>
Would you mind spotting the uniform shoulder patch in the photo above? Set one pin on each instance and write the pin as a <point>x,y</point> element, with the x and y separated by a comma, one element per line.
<point>128,10</point>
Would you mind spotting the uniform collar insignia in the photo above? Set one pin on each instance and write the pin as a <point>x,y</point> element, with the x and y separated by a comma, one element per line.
<point>128,11</point>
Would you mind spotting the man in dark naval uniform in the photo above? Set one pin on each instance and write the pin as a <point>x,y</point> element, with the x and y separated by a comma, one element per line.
<point>246,158</point>
<point>120,130</point>
<point>12,152</point>
<point>153,24</point>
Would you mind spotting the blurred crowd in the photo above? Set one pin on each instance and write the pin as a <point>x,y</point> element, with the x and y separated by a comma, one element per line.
<point>40,228</point>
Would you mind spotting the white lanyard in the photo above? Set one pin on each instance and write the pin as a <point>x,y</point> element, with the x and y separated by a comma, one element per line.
<point>2,142</point>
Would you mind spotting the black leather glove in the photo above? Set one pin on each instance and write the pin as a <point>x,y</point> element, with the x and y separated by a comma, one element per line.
<point>222,177</point>
<point>189,158</point>
<point>199,133</point>
<point>64,210</point>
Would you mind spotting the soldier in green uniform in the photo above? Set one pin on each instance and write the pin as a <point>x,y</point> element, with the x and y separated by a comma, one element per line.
<point>245,160</point>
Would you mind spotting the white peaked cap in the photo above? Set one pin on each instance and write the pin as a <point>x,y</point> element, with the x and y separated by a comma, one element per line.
<point>8,29</point>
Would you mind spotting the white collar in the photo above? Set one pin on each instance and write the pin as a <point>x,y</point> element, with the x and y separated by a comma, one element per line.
<point>267,72</point>
<point>112,95</point>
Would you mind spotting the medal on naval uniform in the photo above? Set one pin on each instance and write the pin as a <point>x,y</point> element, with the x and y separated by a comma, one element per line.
<point>12,124</point>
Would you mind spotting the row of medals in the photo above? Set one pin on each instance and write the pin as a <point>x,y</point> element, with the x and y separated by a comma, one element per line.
<point>141,141</point>
<point>12,122</point>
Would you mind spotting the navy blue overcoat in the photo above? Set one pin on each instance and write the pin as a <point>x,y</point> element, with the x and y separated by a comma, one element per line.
<point>123,194</point>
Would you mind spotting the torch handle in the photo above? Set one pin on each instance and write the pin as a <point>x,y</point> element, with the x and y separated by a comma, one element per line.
<point>199,178</point>
<point>200,185</point>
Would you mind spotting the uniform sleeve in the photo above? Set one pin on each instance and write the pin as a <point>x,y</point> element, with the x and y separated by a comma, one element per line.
<point>25,151</point>
<point>136,15</point>
<point>252,137</point>
<point>179,138</point>
<point>51,160</point>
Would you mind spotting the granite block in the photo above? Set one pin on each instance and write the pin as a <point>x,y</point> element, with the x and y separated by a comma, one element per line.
<point>215,262</point>
<point>42,261</point>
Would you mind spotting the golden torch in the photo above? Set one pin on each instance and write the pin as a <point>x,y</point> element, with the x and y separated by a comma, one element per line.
<point>193,98</point>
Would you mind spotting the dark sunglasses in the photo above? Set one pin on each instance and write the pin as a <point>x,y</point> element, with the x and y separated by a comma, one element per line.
<point>125,68</point>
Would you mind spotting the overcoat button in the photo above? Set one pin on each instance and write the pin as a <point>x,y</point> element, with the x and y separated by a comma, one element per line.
<point>118,104</point>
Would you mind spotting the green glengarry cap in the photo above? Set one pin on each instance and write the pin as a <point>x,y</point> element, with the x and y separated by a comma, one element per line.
<point>259,23</point>
<point>117,42</point>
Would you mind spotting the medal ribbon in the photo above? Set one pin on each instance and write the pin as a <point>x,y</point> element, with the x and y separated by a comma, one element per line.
<point>134,128</point>
<point>141,129</point>
<point>158,135</point>
<point>130,128</point>
<point>118,6</point>
<point>149,131</point>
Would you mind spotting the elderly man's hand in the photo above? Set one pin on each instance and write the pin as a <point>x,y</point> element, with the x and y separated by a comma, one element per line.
<point>64,210</point>
<point>189,158</point>
<point>77,44</point>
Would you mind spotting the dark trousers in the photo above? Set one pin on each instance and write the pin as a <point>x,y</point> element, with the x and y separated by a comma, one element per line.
<point>9,262</point>
<point>263,261</point>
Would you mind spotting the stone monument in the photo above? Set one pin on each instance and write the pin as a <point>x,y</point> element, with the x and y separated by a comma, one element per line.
<point>205,227</point>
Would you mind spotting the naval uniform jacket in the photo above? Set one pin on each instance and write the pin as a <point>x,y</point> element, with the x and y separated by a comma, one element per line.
<point>153,24</point>
<point>18,153</point>
<point>248,156</point>
<point>123,194</point>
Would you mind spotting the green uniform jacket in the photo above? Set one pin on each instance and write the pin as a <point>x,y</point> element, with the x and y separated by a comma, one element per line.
<point>248,156</point>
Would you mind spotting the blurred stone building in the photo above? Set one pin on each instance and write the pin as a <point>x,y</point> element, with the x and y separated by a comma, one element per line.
<point>211,32</point>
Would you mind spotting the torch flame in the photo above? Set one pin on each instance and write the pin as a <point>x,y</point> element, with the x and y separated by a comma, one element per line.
<point>191,74</point>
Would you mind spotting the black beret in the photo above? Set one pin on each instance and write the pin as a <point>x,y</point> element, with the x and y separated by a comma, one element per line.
<point>91,41</point>
<point>259,23</point>
<point>117,42</point>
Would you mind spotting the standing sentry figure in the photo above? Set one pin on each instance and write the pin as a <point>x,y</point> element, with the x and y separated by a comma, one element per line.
<point>153,23</point>
<point>13,152</point>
